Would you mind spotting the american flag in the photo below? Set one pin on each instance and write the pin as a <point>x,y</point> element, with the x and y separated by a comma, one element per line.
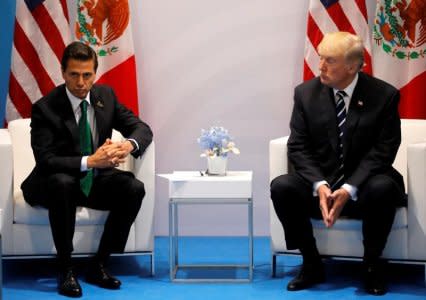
<point>41,33</point>
<point>334,15</point>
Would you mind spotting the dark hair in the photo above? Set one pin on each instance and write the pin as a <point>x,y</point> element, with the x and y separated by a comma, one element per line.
<point>78,51</point>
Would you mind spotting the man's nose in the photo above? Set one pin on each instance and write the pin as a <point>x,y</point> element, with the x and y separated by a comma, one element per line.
<point>80,80</point>
<point>321,65</point>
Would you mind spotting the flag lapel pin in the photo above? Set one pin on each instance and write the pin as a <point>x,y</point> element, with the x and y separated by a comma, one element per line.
<point>99,104</point>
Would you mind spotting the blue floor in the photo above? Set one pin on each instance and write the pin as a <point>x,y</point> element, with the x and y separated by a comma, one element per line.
<point>36,279</point>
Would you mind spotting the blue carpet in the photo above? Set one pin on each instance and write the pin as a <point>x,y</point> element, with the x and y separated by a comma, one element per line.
<point>36,278</point>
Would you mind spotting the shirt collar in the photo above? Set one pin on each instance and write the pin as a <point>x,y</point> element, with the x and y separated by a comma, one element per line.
<point>349,90</point>
<point>75,102</point>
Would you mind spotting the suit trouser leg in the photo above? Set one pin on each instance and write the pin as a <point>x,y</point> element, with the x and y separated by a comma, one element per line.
<point>63,195</point>
<point>122,195</point>
<point>377,205</point>
<point>295,205</point>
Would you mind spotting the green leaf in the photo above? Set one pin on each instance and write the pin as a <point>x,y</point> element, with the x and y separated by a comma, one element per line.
<point>400,54</point>
<point>414,55</point>
<point>387,48</point>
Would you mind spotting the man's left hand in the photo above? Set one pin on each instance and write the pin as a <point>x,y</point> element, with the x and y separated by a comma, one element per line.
<point>338,198</point>
<point>123,149</point>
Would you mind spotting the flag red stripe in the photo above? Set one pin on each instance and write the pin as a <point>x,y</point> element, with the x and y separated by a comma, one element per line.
<point>363,9</point>
<point>413,95</point>
<point>307,72</point>
<point>314,33</point>
<point>126,90</point>
<point>65,10</point>
<point>338,16</point>
<point>50,31</point>
<point>19,98</point>
<point>28,53</point>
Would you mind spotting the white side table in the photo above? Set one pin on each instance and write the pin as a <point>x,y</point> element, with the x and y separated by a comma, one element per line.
<point>196,188</point>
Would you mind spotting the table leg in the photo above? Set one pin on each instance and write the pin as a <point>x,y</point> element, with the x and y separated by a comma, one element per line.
<point>176,234</point>
<point>171,241</point>
<point>250,228</point>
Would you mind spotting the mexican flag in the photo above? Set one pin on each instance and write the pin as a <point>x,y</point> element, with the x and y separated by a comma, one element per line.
<point>399,52</point>
<point>105,26</point>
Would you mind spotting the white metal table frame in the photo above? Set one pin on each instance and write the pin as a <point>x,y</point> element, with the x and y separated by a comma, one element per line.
<point>174,239</point>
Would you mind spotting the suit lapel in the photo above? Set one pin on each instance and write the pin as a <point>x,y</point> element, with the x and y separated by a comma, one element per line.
<point>64,110</point>
<point>356,108</point>
<point>329,110</point>
<point>98,105</point>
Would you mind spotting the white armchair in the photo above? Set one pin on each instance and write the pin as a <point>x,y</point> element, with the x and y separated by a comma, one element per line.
<point>26,230</point>
<point>407,240</point>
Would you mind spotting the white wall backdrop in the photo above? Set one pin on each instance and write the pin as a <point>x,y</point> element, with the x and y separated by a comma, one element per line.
<point>232,63</point>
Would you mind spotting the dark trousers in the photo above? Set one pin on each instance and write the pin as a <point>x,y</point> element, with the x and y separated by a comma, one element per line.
<point>376,205</point>
<point>118,192</point>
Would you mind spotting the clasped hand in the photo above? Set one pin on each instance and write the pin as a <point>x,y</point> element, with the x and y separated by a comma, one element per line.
<point>110,154</point>
<point>331,203</point>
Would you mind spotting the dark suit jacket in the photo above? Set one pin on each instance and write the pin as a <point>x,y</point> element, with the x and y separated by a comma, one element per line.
<point>55,135</point>
<point>371,141</point>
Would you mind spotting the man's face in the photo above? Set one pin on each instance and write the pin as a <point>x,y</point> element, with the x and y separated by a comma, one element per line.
<point>79,77</point>
<point>335,71</point>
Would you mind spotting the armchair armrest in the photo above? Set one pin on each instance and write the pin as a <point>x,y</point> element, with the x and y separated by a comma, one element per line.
<point>416,186</point>
<point>144,170</point>
<point>6,176</point>
<point>278,162</point>
<point>278,165</point>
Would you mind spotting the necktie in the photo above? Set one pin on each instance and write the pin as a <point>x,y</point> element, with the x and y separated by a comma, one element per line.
<point>341,122</point>
<point>85,147</point>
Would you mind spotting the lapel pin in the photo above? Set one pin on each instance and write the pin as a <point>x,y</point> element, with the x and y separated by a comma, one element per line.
<point>99,104</point>
<point>360,103</point>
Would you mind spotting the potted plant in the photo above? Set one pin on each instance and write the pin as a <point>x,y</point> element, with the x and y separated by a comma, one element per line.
<point>216,143</point>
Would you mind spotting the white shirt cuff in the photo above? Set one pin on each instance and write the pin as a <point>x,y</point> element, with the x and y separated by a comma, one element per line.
<point>83,167</point>
<point>135,143</point>
<point>352,190</point>
<point>317,185</point>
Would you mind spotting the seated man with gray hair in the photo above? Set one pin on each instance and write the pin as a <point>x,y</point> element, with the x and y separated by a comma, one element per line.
<point>345,133</point>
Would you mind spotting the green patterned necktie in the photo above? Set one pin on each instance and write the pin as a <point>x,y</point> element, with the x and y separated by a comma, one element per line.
<point>85,147</point>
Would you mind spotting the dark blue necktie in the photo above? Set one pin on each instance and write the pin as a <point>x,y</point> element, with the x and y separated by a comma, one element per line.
<point>341,124</point>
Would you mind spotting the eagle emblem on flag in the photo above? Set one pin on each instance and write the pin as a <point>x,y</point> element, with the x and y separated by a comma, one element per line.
<point>100,22</point>
<point>400,28</point>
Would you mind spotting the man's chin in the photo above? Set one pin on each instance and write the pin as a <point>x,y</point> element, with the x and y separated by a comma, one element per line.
<point>81,95</point>
<point>324,80</point>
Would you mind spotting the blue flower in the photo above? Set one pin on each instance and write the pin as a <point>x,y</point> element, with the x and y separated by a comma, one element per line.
<point>216,142</point>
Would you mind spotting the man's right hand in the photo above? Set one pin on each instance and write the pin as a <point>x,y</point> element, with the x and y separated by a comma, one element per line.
<point>107,156</point>
<point>325,203</point>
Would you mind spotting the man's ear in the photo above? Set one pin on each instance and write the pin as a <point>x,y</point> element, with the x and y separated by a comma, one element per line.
<point>353,68</point>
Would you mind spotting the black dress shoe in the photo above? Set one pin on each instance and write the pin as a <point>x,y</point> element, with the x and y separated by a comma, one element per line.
<point>309,275</point>
<point>375,281</point>
<point>99,276</point>
<point>68,284</point>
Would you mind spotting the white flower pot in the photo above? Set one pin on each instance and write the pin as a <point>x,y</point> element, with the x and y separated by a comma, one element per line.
<point>216,165</point>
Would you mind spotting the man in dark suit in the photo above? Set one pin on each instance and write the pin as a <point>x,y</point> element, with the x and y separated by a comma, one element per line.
<point>74,114</point>
<point>345,133</point>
